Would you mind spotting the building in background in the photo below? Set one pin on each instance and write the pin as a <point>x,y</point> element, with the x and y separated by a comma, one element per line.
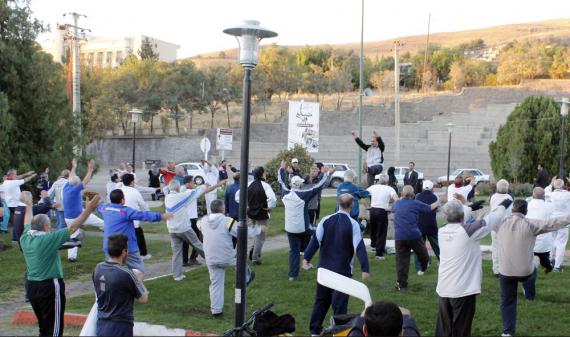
<point>107,52</point>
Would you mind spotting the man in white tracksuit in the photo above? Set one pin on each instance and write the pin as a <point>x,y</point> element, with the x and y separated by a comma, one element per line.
<point>220,254</point>
<point>560,200</point>
<point>501,195</point>
<point>539,209</point>
<point>460,267</point>
<point>180,227</point>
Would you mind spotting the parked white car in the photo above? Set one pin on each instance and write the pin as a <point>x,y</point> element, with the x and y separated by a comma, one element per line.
<point>480,177</point>
<point>338,175</point>
<point>400,172</point>
<point>193,169</point>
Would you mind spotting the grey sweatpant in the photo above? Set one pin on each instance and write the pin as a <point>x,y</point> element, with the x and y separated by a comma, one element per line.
<point>217,280</point>
<point>176,241</point>
<point>259,239</point>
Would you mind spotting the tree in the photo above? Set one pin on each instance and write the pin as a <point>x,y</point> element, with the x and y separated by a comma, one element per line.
<point>148,50</point>
<point>216,79</point>
<point>530,136</point>
<point>305,162</point>
<point>560,67</point>
<point>468,73</point>
<point>36,121</point>
<point>339,83</point>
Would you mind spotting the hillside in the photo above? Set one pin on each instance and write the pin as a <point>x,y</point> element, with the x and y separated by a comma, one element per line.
<point>558,29</point>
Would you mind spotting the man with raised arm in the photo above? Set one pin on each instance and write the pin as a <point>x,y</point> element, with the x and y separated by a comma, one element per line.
<point>11,190</point>
<point>73,203</point>
<point>296,201</point>
<point>374,155</point>
<point>44,278</point>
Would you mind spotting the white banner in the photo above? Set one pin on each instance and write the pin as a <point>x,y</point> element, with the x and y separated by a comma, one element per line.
<point>224,138</point>
<point>303,125</point>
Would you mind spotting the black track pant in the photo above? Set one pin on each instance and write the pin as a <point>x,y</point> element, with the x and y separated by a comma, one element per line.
<point>48,301</point>
<point>455,316</point>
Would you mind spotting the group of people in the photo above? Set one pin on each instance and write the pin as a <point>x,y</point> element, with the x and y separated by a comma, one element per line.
<point>521,229</point>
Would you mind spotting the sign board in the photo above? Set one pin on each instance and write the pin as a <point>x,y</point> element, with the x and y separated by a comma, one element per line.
<point>205,145</point>
<point>224,138</point>
<point>303,125</point>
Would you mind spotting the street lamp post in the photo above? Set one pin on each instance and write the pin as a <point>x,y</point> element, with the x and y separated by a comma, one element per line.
<point>135,113</point>
<point>564,114</point>
<point>360,89</point>
<point>449,131</point>
<point>248,36</point>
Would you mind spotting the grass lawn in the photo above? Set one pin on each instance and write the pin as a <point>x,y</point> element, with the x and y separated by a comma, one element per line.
<point>186,304</point>
<point>13,264</point>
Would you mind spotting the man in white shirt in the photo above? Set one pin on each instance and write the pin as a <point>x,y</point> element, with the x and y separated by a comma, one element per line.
<point>381,196</point>
<point>457,187</point>
<point>135,200</point>
<point>560,199</point>
<point>212,177</point>
<point>179,227</point>
<point>11,193</point>
<point>460,267</point>
<point>496,199</point>
<point>539,209</point>
<point>55,193</point>
<point>193,216</point>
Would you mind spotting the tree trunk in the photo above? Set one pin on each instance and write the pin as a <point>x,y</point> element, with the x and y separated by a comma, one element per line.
<point>176,118</point>
<point>212,121</point>
<point>151,122</point>
<point>190,122</point>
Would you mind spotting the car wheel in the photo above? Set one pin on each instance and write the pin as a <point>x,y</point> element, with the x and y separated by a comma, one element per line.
<point>335,182</point>
<point>198,180</point>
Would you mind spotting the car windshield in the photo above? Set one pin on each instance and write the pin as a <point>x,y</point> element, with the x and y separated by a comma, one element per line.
<point>456,172</point>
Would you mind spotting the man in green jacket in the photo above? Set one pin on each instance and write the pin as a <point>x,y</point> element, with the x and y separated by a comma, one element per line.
<point>44,280</point>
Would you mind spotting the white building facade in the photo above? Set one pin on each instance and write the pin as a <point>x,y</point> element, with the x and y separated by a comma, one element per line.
<point>109,52</point>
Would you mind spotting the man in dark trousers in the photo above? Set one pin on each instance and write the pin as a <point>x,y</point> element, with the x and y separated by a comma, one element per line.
<point>408,236</point>
<point>411,177</point>
<point>338,238</point>
<point>542,177</point>
<point>427,221</point>
<point>116,287</point>
<point>374,155</point>
<point>44,278</point>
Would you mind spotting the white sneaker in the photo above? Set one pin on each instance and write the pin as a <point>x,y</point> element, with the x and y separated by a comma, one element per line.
<point>380,258</point>
<point>146,257</point>
<point>420,273</point>
<point>180,278</point>
<point>308,266</point>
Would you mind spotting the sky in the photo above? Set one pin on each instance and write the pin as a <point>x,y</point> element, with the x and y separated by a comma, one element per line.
<point>196,25</point>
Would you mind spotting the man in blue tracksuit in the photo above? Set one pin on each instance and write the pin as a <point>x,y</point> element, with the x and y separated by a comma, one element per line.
<point>119,219</point>
<point>338,237</point>
<point>356,191</point>
<point>296,203</point>
<point>232,207</point>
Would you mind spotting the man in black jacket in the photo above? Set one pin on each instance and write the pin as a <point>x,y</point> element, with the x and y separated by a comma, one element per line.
<point>260,200</point>
<point>411,177</point>
<point>374,155</point>
<point>542,177</point>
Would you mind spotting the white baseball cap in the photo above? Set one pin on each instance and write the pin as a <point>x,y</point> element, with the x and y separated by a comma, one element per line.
<point>428,185</point>
<point>295,160</point>
<point>297,181</point>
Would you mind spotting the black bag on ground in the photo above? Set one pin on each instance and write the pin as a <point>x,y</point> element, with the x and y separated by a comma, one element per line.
<point>270,324</point>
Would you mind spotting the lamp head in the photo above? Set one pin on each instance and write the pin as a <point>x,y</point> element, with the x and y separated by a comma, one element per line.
<point>248,35</point>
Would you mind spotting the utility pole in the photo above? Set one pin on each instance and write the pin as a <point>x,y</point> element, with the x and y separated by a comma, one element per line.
<point>397,45</point>
<point>426,55</point>
<point>73,35</point>
<point>361,91</point>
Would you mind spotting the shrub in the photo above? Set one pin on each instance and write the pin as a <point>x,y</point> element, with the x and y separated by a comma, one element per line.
<point>305,163</point>
<point>522,190</point>
<point>485,189</point>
